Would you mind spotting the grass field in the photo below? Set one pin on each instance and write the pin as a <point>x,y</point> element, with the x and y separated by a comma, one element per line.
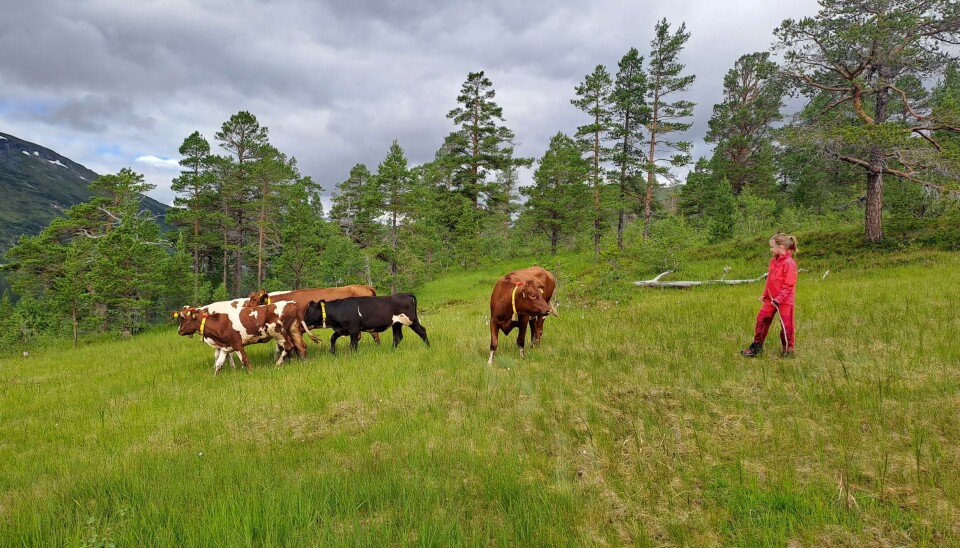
<point>636,422</point>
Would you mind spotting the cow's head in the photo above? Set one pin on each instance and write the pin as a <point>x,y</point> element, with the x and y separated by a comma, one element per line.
<point>256,298</point>
<point>189,319</point>
<point>530,301</point>
<point>314,315</point>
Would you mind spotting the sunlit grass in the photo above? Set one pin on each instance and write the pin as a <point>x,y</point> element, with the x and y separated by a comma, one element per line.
<point>636,422</point>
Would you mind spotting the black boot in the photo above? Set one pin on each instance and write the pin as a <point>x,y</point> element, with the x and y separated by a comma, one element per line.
<point>753,351</point>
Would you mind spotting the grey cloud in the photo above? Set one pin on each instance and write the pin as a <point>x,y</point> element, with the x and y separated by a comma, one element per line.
<point>334,81</point>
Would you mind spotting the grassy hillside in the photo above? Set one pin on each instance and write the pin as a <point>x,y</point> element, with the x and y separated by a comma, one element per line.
<point>636,422</point>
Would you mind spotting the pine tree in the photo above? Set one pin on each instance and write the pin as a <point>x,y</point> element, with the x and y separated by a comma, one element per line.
<point>594,98</point>
<point>856,52</point>
<point>742,123</point>
<point>473,156</point>
<point>245,141</point>
<point>270,175</point>
<point>665,81</point>
<point>629,114</point>
<point>195,203</point>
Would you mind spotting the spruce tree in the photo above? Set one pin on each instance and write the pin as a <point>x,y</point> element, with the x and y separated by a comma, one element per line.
<point>557,203</point>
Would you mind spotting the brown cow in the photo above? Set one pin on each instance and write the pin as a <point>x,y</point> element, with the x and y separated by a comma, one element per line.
<point>231,332</point>
<point>521,298</point>
<point>303,297</point>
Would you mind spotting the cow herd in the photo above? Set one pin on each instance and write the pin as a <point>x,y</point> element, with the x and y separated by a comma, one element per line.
<point>520,299</point>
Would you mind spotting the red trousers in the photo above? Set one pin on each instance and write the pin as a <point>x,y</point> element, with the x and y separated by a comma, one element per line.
<point>765,318</point>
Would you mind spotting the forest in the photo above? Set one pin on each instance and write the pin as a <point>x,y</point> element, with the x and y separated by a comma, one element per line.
<point>876,143</point>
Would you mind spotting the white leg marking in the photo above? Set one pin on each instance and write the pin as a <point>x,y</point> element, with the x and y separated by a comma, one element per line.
<point>220,359</point>
<point>490,361</point>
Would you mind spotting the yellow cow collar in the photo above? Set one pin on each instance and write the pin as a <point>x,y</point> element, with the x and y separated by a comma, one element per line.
<point>203,322</point>
<point>323,310</point>
<point>513,301</point>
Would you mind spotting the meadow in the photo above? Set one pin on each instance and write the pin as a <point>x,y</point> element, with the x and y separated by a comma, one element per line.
<point>635,422</point>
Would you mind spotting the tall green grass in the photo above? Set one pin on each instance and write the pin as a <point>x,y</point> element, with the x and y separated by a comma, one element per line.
<point>636,422</point>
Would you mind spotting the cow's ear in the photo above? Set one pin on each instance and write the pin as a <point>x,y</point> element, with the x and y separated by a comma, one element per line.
<point>176,314</point>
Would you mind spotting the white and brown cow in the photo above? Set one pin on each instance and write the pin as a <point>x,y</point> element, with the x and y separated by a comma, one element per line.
<point>231,332</point>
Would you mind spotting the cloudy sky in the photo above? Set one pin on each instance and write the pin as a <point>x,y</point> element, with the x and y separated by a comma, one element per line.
<point>118,83</point>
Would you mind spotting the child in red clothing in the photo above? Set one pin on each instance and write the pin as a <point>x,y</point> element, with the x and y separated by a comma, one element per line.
<point>777,296</point>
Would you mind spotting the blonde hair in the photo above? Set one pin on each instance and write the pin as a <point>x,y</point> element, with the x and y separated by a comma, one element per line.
<point>786,240</point>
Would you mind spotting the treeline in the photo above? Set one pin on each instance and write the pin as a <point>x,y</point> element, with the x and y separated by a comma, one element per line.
<point>878,132</point>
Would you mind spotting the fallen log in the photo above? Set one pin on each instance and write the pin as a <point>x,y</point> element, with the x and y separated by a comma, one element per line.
<point>655,282</point>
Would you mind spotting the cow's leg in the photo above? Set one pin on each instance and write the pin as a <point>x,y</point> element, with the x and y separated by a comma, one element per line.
<point>286,351</point>
<point>278,352</point>
<point>333,342</point>
<point>297,344</point>
<point>221,356</point>
<point>376,337</point>
<point>300,346</point>
<point>245,359</point>
<point>354,340</point>
<point>216,356</point>
<point>494,340</point>
<point>420,330</point>
<point>536,325</point>
<point>522,335</point>
<point>397,334</point>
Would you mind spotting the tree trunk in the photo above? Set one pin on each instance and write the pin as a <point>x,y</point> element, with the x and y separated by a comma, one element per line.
<point>648,200</point>
<point>648,204</point>
<point>596,190</point>
<point>873,212</point>
<point>225,260</point>
<point>393,258</point>
<point>76,330</point>
<point>260,245</point>
<point>369,275</point>
<point>238,256</point>
<point>623,183</point>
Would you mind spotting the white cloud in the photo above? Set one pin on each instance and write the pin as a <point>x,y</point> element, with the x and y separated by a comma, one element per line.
<point>159,163</point>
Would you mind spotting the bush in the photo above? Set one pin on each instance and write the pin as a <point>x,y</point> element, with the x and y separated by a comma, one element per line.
<point>666,249</point>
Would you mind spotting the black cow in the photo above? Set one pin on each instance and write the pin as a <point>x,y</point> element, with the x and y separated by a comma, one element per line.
<point>353,315</point>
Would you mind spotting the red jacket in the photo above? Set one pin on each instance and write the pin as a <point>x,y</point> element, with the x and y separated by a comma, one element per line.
<point>781,279</point>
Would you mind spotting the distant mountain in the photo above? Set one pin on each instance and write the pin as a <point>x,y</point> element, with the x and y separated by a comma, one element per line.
<point>37,184</point>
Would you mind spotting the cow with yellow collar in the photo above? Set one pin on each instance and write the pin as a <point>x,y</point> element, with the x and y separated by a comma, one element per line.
<point>519,299</point>
<point>231,332</point>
